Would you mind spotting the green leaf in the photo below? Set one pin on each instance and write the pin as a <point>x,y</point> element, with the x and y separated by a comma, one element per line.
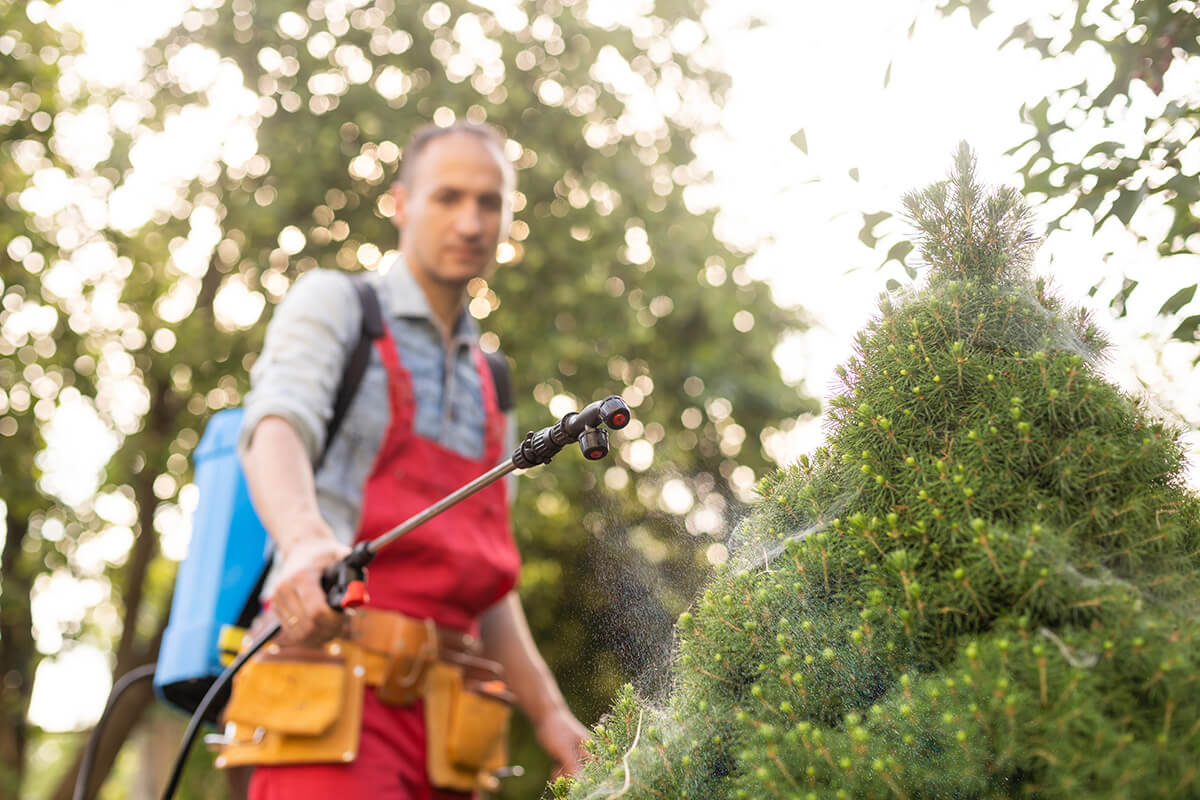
<point>1178,300</point>
<point>854,174</point>
<point>1108,148</point>
<point>892,284</point>
<point>1121,298</point>
<point>979,10</point>
<point>899,250</point>
<point>801,141</point>
<point>866,234</point>
<point>1186,332</point>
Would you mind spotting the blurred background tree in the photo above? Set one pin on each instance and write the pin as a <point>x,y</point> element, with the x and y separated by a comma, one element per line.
<point>152,222</point>
<point>29,99</point>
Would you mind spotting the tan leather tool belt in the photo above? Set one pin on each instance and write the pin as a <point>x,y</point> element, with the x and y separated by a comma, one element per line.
<point>296,705</point>
<point>400,649</point>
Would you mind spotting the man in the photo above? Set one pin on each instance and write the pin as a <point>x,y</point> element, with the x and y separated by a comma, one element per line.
<point>423,422</point>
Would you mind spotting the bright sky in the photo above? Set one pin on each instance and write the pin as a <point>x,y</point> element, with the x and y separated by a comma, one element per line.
<point>816,66</point>
<point>821,67</point>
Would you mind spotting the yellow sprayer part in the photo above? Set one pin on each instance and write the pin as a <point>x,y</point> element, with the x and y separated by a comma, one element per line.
<point>229,643</point>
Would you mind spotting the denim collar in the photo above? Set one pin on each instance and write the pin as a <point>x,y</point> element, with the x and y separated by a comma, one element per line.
<point>407,299</point>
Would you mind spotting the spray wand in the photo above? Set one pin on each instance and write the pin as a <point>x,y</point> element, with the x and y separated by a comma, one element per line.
<point>344,582</point>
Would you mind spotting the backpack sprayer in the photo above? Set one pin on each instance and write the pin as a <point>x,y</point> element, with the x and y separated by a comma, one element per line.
<point>344,582</point>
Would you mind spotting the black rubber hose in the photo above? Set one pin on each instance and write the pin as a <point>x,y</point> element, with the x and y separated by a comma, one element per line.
<point>93,744</point>
<point>197,719</point>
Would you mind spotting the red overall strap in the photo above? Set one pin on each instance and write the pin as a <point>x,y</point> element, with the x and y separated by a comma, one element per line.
<point>494,425</point>
<point>457,564</point>
<point>401,401</point>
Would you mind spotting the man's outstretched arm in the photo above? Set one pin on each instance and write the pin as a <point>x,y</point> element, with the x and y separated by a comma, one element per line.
<point>280,479</point>
<point>506,638</point>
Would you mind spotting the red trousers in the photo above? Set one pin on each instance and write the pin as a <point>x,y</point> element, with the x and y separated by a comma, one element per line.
<point>390,764</point>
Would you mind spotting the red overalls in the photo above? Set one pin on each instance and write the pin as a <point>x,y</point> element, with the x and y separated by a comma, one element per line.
<point>450,569</point>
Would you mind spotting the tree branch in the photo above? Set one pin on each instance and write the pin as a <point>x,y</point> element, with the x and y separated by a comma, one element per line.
<point>160,422</point>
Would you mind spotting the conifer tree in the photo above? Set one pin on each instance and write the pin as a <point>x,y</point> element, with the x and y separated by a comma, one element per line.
<point>984,584</point>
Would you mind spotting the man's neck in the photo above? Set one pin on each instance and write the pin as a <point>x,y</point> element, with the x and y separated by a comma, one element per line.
<point>445,301</point>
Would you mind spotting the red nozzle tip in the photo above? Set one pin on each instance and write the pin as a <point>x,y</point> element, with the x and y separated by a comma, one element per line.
<point>620,419</point>
<point>356,595</point>
<point>595,454</point>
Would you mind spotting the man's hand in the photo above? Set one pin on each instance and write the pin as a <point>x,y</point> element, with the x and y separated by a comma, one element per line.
<point>562,737</point>
<point>299,601</point>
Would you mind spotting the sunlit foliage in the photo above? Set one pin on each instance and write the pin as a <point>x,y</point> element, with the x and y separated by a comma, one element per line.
<point>162,199</point>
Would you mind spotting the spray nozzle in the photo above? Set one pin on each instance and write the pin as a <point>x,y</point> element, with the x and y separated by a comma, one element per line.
<point>594,443</point>
<point>614,413</point>
<point>583,427</point>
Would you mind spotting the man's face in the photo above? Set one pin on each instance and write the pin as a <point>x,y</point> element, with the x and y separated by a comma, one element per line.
<point>453,213</point>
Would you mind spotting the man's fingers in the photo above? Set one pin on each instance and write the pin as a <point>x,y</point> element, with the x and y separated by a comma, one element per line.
<point>303,609</point>
<point>323,622</point>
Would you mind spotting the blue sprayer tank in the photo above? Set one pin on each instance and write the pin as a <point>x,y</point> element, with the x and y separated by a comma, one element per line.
<point>227,554</point>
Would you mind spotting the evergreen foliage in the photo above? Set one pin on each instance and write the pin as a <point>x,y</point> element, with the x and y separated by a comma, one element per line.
<point>984,585</point>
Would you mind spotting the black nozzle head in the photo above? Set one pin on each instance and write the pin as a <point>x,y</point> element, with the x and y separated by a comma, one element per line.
<point>594,443</point>
<point>615,413</point>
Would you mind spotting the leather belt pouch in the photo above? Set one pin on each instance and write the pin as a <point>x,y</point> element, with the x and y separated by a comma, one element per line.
<point>466,724</point>
<point>403,677</point>
<point>477,735</point>
<point>295,705</point>
<point>406,645</point>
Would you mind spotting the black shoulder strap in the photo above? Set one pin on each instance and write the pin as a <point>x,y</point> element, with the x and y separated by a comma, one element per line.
<point>356,365</point>
<point>498,364</point>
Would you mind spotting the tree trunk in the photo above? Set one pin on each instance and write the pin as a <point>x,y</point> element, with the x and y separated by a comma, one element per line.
<point>17,656</point>
<point>121,722</point>
<point>129,653</point>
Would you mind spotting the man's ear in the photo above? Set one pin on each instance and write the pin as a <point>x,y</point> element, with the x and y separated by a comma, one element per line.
<point>400,204</point>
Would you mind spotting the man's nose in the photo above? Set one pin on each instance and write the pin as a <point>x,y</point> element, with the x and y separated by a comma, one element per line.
<point>470,220</point>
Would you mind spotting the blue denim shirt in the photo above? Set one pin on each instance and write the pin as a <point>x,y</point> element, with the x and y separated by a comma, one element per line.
<point>312,333</point>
